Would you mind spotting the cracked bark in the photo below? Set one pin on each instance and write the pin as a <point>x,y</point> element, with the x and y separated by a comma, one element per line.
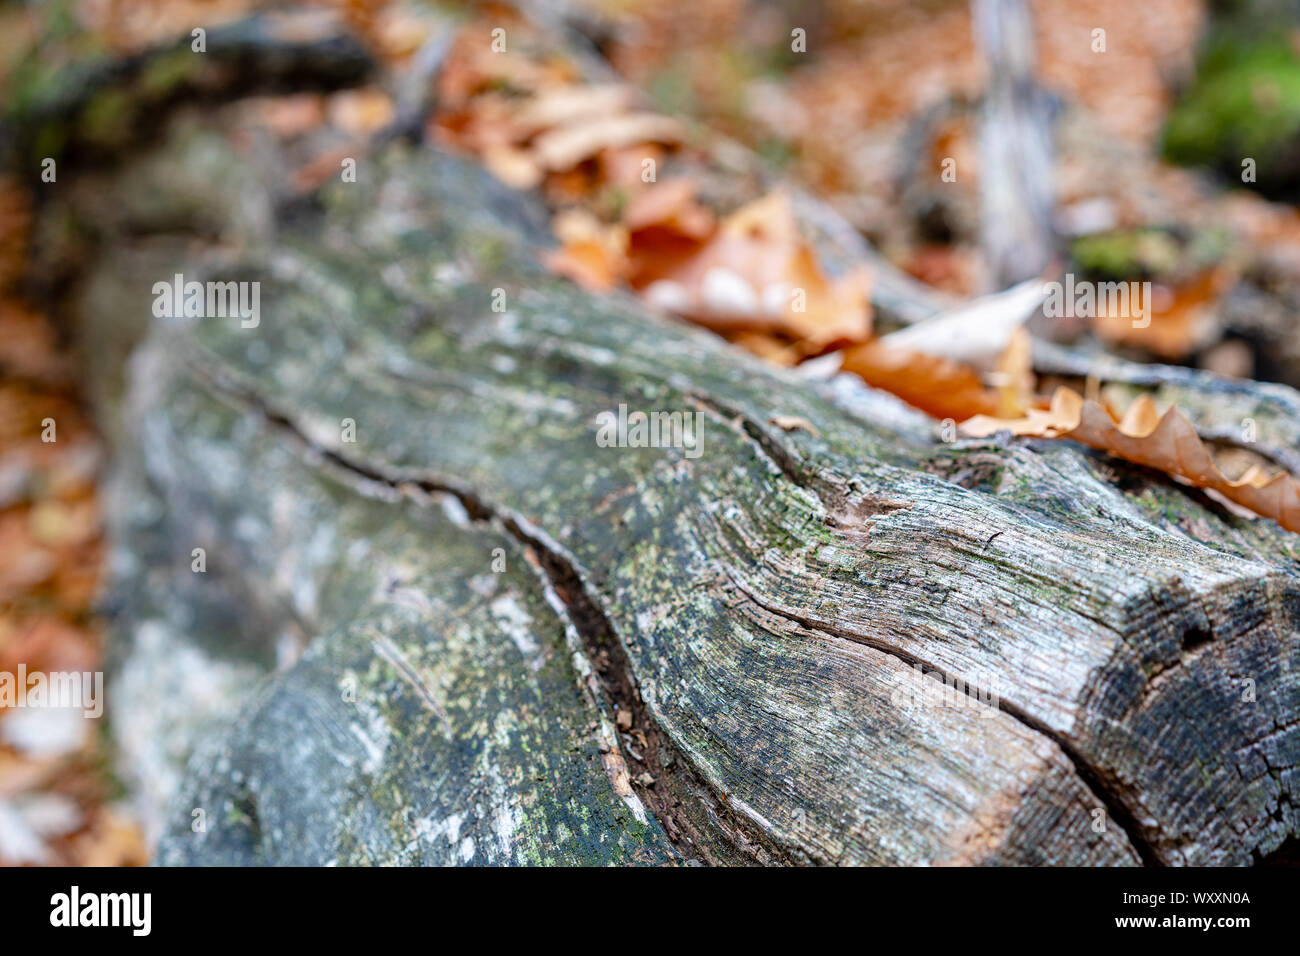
<point>358,683</point>
<point>758,609</point>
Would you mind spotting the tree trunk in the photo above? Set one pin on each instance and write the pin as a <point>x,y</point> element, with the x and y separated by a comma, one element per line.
<point>432,618</point>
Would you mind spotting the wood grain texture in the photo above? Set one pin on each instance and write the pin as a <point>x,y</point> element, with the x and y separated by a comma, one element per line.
<point>708,657</point>
<point>761,609</point>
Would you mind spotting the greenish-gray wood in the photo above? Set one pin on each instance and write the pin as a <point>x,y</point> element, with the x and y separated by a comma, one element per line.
<point>769,598</point>
<point>468,633</point>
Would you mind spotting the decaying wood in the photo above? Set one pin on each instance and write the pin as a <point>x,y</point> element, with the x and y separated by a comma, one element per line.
<point>518,645</point>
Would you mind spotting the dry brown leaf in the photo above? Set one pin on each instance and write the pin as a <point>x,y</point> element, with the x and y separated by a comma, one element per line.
<point>1177,318</point>
<point>496,121</point>
<point>670,205</point>
<point>1167,442</point>
<point>592,254</point>
<point>472,67</point>
<point>589,262</point>
<point>567,105</point>
<point>111,840</point>
<point>485,123</point>
<point>667,228</point>
<point>566,146</point>
<point>755,273</point>
<point>51,553</point>
<point>938,386</point>
<point>751,273</point>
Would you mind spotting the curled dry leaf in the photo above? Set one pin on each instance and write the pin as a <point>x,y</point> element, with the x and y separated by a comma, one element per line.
<point>752,273</point>
<point>1168,442</point>
<point>589,262</point>
<point>977,333</point>
<point>1013,376</point>
<point>557,129</point>
<point>592,254</point>
<point>670,206</point>
<point>566,105</point>
<point>945,388</point>
<point>566,146</point>
<point>937,386</point>
<point>755,272</point>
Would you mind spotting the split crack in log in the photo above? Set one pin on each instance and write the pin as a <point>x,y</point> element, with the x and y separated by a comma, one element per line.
<point>554,350</point>
<point>604,648</point>
<point>675,777</point>
<point>1196,637</point>
<point>1090,775</point>
<point>843,510</point>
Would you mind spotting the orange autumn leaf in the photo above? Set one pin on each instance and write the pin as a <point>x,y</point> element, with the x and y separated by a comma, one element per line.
<point>110,840</point>
<point>1176,318</point>
<point>1166,442</point>
<point>937,386</point>
<point>667,227</point>
<point>755,272</point>
<point>592,254</point>
<point>590,263</point>
<point>512,165</point>
<point>670,205</point>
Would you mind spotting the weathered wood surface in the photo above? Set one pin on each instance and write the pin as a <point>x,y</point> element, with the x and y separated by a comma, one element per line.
<point>758,610</point>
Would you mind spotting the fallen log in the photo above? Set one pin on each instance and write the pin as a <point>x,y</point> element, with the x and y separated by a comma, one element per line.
<point>406,606</point>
